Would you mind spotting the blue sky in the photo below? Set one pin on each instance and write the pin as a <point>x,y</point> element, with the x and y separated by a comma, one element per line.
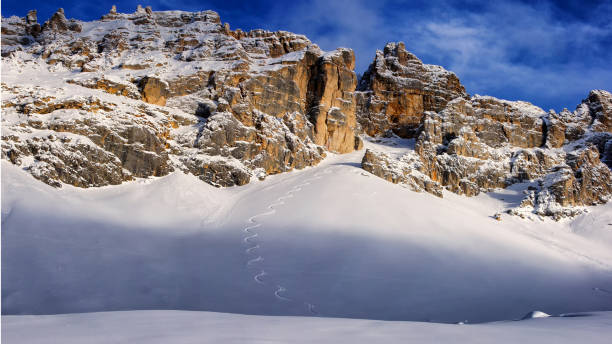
<point>550,53</point>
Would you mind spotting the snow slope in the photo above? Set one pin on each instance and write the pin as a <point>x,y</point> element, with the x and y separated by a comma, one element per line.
<point>205,327</point>
<point>329,241</point>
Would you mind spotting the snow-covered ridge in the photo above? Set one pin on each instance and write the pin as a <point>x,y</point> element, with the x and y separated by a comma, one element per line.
<point>159,91</point>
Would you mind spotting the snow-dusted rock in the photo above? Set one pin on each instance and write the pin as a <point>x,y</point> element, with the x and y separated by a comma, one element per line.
<point>403,171</point>
<point>398,89</point>
<point>229,102</point>
<point>484,143</point>
<point>148,92</point>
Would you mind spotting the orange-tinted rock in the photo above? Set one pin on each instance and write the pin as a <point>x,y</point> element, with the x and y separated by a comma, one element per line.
<point>153,90</point>
<point>398,89</point>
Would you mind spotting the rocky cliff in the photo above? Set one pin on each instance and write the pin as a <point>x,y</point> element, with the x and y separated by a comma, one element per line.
<point>140,94</point>
<point>397,90</point>
<point>145,93</point>
<point>479,144</point>
<point>469,145</point>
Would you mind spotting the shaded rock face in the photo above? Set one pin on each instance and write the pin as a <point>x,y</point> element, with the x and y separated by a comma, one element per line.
<point>177,90</point>
<point>331,107</point>
<point>483,143</point>
<point>62,161</point>
<point>581,180</point>
<point>398,89</point>
<point>153,90</point>
<point>599,103</point>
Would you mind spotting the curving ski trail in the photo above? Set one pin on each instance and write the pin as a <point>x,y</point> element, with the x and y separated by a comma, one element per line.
<point>248,240</point>
<point>251,239</point>
<point>258,277</point>
<point>255,260</point>
<point>602,290</point>
<point>251,249</point>
<point>281,289</point>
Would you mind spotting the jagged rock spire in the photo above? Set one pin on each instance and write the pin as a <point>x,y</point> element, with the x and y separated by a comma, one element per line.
<point>31,18</point>
<point>59,23</point>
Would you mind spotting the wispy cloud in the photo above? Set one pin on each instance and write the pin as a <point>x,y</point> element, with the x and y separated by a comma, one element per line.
<point>517,50</point>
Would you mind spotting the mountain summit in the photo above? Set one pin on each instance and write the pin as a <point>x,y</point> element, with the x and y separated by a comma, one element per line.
<point>146,93</point>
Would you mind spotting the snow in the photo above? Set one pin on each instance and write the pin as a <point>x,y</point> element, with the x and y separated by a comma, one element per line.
<point>207,327</point>
<point>300,252</point>
<point>523,107</point>
<point>334,241</point>
<point>535,314</point>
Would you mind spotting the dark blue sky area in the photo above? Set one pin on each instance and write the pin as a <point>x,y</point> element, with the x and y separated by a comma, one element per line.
<point>550,53</point>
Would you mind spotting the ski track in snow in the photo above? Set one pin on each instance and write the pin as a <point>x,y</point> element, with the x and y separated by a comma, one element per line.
<point>281,289</point>
<point>602,290</point>
<point>258,277</point>
<point>250,239</point>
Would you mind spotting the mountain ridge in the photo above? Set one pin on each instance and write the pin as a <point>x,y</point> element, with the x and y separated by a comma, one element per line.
<point>141,94</point>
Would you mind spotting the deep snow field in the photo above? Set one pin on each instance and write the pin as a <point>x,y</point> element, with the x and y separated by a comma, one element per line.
<point>331,241</point>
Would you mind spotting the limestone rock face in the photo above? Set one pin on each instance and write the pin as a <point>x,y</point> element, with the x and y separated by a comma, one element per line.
<point>82,140</point>
<point>398,89</point>
<point>599,103</point>
<point>173,90</point>
<point>581,180</point>
<point>62,161</point>
<point>594,114</point>
<point>483,143</point>
<point>126,89</point>
<point>146,93</point>
<point>59,23</point>
<point>153,90</point>
<point>399,171</point>
<point>331,107</point>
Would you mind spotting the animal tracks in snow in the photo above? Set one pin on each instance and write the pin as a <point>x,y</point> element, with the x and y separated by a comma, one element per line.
<point>254,243</point>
